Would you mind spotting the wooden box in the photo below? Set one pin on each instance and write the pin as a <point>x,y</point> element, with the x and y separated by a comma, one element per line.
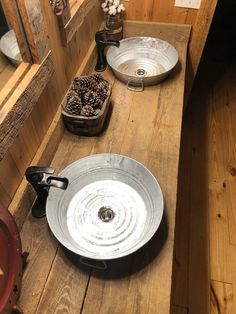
<point>83,125</point>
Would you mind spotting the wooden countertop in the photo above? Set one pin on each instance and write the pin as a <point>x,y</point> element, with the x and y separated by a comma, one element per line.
<point>147,127</point>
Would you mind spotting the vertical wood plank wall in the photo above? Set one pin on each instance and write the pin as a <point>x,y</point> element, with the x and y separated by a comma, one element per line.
<point>66,62</point>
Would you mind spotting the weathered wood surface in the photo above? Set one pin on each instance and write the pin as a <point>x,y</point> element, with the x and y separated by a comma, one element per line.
<point>147,127</point>
<point>6,71</point>
<point>10,8</point>
<point>35,28</point>
<point>77,15</point>
<point>11,84</point>
<point>19,106</point>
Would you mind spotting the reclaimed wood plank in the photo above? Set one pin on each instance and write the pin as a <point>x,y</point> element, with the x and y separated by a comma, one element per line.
<point>14,80</point>
<point>147,294</point>
<point>19,106</point>
<point>35,31</point>
<point>145,277</point>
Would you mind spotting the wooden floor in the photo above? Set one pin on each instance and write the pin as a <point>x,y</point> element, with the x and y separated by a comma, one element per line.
<point>205,252</point>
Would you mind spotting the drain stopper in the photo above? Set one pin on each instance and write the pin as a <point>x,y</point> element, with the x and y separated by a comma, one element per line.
<point>106,214</point>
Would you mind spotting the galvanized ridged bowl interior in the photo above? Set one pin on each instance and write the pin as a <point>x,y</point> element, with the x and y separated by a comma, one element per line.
<point>112,206</point>
<point>147,58</point>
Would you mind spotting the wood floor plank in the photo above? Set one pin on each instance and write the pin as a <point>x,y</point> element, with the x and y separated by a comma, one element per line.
<point>221,298</point>
<point>218,196</point>
<point>65,282</point>
<point>42,246</point>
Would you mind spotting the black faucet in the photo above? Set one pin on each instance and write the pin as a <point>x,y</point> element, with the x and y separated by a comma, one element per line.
<point>41,179</point>
<point>102,41</point>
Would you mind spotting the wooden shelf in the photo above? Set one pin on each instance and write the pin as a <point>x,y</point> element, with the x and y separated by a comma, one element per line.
<point>147,127</point>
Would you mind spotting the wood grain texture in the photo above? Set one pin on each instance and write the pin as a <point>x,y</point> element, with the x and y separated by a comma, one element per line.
<point>35,30</point>
<point>221,298</point>
<point>14,20</point>
<point>78,14</point>
<point>146,276</point>
<point>11,84</point>
<point>19,106</point>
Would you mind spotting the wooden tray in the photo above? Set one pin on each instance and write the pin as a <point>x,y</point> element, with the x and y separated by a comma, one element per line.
<point>89,126</point>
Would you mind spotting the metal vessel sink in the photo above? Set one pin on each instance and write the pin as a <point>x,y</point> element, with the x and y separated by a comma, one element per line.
<point>142,61</point>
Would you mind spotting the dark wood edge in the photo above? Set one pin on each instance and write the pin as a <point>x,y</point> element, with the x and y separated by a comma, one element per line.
<point>16,111</point>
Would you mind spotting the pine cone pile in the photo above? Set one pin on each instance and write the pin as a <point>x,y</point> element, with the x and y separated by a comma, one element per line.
<point>87,95</point>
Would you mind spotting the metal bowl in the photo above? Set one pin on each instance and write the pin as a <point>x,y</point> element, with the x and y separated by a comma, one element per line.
<point>113,205</point>
<point>10,48</point>
<point>142,61</point>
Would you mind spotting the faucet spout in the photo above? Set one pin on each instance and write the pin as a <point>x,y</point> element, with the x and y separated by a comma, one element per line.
<point>102,41</point>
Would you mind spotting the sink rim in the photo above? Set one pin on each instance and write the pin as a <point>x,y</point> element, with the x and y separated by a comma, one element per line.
<point>164,50</point>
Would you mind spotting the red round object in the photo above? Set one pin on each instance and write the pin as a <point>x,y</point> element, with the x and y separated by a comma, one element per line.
<point>10,261</point>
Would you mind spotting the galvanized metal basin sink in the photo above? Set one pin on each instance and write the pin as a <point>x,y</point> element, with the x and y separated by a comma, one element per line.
<point>142,61</point>
<point>112,206</point>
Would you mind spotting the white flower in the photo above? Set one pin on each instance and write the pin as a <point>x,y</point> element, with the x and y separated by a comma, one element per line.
<point>120,8</point>
<point>116,3</point>
<point>112,6</point>
<point>112,10</point>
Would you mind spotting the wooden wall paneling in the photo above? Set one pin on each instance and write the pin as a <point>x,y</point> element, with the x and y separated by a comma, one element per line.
<point>11,84</point>
<point>178,310</point>
<point>200,31</point>
<point>11,12</point>
<point>19,106</point>
<point>73,17</point>
<point>35,30</point>
<point>9,177</point>
<point>221,298</point>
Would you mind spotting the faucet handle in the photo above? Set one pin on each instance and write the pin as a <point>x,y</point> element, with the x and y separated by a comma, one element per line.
<point>41,180</point>
<point>102,35</point>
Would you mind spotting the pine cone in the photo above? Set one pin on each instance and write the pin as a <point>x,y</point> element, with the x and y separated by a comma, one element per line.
<point>73,103</point>
<point>91,98</point>
<point>97,77</point>
<point>87,111</point>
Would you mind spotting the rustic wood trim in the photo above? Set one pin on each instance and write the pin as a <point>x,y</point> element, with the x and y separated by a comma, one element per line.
<point>32,19</point>
<point>72,19</point>
<point>19,106</point>
<point>13,82</point>
<point>14,20</point>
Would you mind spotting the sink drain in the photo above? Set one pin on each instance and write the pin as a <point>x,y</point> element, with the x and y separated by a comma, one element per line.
<point>106,214</point>
<point>141,72</point>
